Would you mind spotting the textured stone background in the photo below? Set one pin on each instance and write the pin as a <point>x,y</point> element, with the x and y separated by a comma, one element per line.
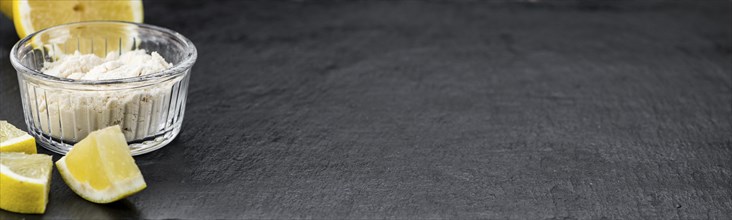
<point>438,109</point>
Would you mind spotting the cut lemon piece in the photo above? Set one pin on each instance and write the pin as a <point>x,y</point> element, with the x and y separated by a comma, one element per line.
<point>13,139</point>
<point>33,15</point>
<point>24,182</point>
<point>100,168</point>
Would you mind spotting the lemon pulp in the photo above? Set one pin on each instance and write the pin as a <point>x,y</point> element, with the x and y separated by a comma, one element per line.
<point>100,168</point>
<point>33,15</point>
<point>25,181</point>
<point>13,139</point>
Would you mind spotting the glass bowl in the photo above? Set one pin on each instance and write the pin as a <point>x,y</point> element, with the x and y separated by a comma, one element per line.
<point>60,112</point>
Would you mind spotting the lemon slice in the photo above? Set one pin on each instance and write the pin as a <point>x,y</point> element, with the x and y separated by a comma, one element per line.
<point>100,167</point>
<point>13,139</point>
<point>33,15</point>
<point>24,182</point>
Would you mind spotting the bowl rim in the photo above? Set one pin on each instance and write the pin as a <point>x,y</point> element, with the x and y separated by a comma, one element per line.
<point>179,68</point>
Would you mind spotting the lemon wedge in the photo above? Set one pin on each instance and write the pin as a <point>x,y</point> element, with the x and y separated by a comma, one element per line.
<point>33,15</point>
<point>100,167</point>
<point>13,139</point>
<point>25,181</point>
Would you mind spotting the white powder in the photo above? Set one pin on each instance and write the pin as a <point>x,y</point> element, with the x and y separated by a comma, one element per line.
<point>114,66</point>
<point>70,114</point>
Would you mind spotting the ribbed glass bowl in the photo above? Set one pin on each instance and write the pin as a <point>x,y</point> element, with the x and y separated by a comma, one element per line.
<point>60,112</point>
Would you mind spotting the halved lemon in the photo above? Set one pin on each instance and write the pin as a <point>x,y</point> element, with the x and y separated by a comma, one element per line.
<point>25,180</point>
<point>33,15</point>
<point>100,167</point>
<point>13,139</point>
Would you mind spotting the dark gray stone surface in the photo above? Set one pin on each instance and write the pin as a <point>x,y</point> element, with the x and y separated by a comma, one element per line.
<point>436,109</point>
